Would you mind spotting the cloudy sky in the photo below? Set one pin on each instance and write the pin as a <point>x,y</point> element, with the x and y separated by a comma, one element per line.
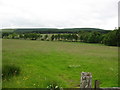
<point>59,13</point>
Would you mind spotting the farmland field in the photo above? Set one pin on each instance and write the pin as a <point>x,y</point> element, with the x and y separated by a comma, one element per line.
<point>42,63</point>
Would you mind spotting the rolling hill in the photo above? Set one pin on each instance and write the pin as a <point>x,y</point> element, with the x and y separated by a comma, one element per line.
<point>53,30</point>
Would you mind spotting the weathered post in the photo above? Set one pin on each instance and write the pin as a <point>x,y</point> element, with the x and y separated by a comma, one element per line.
<point>97,83</point>
<point>86,80</point>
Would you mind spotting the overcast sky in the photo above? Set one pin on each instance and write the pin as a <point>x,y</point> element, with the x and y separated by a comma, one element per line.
<point>59,13</point>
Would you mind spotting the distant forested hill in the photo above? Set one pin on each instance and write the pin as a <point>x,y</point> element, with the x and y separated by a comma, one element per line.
<point>53,30</point>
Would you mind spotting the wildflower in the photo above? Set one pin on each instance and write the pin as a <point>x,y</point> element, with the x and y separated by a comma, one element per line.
<point>56,86</point>
<point>15,71</point>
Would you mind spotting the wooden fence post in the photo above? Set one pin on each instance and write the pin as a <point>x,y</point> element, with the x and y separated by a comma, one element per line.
<point>86,80</point>
<point>97,83</point>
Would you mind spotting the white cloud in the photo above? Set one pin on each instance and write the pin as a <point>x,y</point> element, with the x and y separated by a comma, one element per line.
<point>59,13</point>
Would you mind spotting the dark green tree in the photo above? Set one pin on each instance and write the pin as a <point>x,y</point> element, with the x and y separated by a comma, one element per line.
<point>111,38</point>
<point>15,36</point>
<point>31,36</point>
<point>5,34</point>
<point>94,37</point>
<point>52,37</point>
<point>45,37</point>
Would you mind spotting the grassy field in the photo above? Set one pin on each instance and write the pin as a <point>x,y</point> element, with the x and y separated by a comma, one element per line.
<point>43,63</point>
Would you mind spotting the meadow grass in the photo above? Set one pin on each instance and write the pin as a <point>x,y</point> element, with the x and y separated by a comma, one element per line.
<point>45,62</point>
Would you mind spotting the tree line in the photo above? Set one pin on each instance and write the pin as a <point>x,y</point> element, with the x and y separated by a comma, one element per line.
<point>111,38</point>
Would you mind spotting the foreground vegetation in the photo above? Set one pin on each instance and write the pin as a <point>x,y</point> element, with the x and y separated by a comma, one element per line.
<point>38,64</point>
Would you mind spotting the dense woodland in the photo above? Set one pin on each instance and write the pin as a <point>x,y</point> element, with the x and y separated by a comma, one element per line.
<point>110,38</point>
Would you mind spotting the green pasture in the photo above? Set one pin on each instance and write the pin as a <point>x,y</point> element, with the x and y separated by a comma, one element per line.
<point>8,30</point>
<point>42,63</point>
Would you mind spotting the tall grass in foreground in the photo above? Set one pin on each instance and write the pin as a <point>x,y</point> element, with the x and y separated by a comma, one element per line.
<point>9,71</point>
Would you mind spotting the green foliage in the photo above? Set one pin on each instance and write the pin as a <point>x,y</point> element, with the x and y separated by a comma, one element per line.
<point>31,36</point>
<point>5,34</point>
<point>52,37</point>
<point>83,36</point>
<point>10,71</point>
<point>111,38</point>
<point>45,37</point>
<point>118,36</point>
<point>21,36</point>
<point>94,37</point>
<point>15,36</point>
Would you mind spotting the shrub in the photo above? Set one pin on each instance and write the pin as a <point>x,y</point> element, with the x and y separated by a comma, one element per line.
<point>10,71</point>
<point>111,38</point>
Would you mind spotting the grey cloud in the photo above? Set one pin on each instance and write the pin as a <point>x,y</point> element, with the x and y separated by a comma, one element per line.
<point>64,13</point>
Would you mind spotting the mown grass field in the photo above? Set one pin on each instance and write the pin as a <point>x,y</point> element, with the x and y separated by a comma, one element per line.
<point>44,62</point>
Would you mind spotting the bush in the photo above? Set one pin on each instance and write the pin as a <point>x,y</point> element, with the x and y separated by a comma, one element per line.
<point>10,71</point>
<point>111,38</point>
